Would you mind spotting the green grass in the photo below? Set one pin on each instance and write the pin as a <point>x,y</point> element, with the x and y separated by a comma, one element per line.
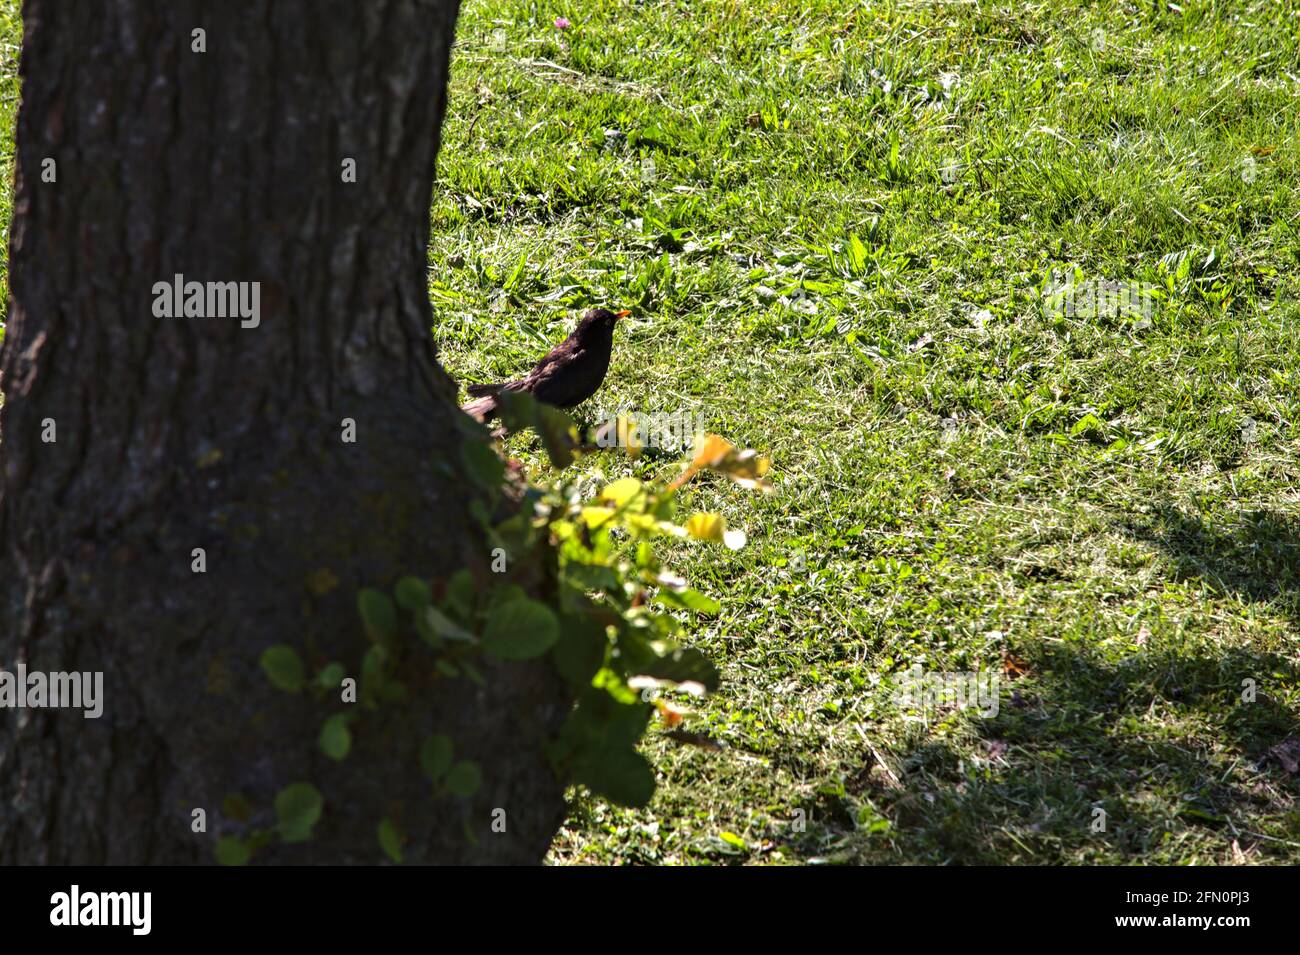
<point>965,477</point>
<point>966,480</point>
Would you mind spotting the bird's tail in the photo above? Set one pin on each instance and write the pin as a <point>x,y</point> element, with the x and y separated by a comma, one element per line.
<point>478,391</point>
<point>483,408</point>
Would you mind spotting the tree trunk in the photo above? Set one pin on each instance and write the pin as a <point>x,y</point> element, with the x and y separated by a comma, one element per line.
<point>171,434</point>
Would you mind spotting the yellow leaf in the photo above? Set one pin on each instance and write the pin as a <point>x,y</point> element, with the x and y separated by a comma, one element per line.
<point>711,450</point>
<point>731,839</point>
<point>621,491</point>
<point>643,522</point>
<point>715,453</point>
<point>708,527</point>
<point>708,449</point>
<point>630,436</point>
<point>596,516</point>
<point>321,582</point>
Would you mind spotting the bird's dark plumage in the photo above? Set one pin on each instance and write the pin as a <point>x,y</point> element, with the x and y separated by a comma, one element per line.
<point>570,373</point>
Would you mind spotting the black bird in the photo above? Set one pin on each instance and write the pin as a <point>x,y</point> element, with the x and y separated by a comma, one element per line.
<point>570,373</point>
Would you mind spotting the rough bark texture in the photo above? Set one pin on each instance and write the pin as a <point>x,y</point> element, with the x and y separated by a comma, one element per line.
<point>181,433</point>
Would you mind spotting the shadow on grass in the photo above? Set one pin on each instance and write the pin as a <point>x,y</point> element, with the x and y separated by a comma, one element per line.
<point>1171,743</point>
<point>1257,557</point>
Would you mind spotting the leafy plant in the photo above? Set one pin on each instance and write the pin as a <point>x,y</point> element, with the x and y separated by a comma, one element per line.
<point>617,610</point>
<point>611,628</point>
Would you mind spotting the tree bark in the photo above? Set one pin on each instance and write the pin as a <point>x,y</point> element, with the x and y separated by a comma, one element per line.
<point>181,433</point>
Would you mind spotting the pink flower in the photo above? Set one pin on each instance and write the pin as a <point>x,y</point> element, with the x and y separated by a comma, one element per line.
<point>561,23</point>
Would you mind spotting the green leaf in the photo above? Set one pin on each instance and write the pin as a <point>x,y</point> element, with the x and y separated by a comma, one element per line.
<point>373,667</point>
<point>377,611</point>
<point>232,851</point>
<point>520,410</point>
<point>580,650</point>
<point>298,807</point>
<point>504,593</point>
<point>284,667</point>
<point>434,627</point>
<point>598,740</point>
<point>858,254</point>
<point>330,676</point>
<point>482,465</point>
<point>1089,422</point>
<point>621,775</point>
<point>412,594</point>
<point>435,756</point>
<point>520,630</point>
<point>335,738</point>
<point>586,577</point>
<point>512,281</point>
<point>688,599</point>
<point>390,840</point>
<point>895,167</point>
<point>458,599</point>
<point>464,778</point>
<point>559,435</point>
<point>645,556</point>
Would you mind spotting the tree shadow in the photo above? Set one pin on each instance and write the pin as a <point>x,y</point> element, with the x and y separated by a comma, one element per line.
<point>1101,753</point>
<point>1257,557</point>
<point>1087,760</point>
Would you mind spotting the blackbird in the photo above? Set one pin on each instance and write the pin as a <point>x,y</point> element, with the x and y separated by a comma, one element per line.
<point>568,375</point>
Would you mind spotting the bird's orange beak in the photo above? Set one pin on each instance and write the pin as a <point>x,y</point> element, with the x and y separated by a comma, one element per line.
<point>623,314</point>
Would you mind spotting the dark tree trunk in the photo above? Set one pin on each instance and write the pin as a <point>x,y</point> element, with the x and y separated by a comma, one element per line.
<point>181,433</point>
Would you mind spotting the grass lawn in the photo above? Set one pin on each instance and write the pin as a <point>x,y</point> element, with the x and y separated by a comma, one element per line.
<point>843,229</point>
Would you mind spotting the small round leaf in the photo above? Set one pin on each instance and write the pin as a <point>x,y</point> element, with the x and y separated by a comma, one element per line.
<point>377,611</point>
<point>330,676</point>
<point>412,594</point>
<point>520,629</point>
<point>464,778</point>
<point>284,667</point>
<point>390,840</point>
<point>435,756</point>
<point>232,851</point>
<point>335,738</point>
<point>298,807</point>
